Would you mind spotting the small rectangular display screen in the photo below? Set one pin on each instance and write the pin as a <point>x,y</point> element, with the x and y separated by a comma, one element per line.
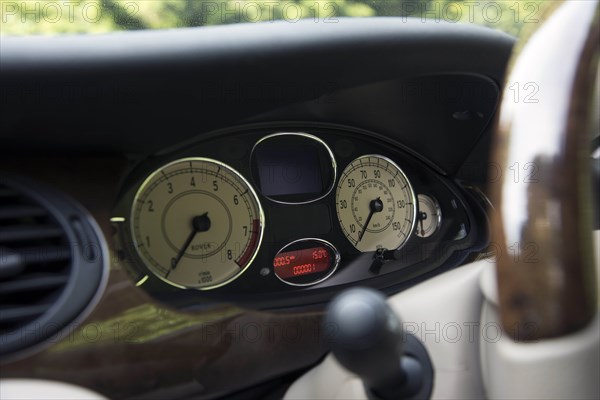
<point>296,263</point>
<point>289,170</point>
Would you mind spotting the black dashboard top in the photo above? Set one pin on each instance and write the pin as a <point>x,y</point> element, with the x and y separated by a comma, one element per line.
<point>162,88</point>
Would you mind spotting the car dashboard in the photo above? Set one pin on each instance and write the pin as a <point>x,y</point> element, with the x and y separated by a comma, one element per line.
<point>233,185</point>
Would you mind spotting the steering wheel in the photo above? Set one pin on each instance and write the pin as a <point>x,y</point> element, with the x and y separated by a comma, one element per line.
<point>542,223</point>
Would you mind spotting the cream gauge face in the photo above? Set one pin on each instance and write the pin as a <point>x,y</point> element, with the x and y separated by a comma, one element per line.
<point>430,216</point>
<point>375,204</point>
<point>197,223</point>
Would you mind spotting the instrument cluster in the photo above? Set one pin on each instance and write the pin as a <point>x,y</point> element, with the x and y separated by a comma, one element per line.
<point>273,217</point>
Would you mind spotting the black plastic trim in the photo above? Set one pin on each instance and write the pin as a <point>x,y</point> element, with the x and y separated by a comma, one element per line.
<point>88,272</point>
<point>189,82</point>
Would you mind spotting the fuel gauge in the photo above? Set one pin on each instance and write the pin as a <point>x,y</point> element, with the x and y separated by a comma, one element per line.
<point>429,217</point>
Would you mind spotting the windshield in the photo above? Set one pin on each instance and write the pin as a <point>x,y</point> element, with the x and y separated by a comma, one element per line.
<point>99,16</point>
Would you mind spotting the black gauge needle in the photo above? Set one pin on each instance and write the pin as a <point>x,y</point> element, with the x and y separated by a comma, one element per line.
<point>200,223</point>
<point>375,206</point>
<point>422,217</point>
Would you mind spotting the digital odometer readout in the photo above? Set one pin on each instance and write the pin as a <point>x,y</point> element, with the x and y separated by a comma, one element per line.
<point>306,265</point>
<point>302,262</point>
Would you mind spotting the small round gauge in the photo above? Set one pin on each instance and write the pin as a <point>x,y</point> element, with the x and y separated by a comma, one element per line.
<point>429,217</point>
<point>375,204</point>
<point>196,223</point>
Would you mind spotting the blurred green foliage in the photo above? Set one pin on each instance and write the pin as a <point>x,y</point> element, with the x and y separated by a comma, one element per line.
<point>25,17</point>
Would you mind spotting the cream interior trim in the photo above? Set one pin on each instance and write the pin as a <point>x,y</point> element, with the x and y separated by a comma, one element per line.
<point>564,368</point>
<point>35,389</point>
<point>443,313</point>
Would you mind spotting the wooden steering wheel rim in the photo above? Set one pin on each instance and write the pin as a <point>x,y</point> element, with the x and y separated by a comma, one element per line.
<point>542,223</point>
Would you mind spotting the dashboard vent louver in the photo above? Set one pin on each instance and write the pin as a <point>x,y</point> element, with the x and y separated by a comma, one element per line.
<point>35,259</point>
<point>41,263</point>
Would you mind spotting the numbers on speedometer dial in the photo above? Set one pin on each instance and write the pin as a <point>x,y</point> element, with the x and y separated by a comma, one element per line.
<point>375,204</point>
<point>196,223</point>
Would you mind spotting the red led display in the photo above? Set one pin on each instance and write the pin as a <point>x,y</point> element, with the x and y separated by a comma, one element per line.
<point>297,263</point>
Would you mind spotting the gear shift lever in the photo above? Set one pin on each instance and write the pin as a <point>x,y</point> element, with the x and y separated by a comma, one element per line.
<point>366,337</point>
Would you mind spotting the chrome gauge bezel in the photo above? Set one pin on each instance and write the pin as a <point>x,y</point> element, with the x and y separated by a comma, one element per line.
<point>144,186</point>
<point>411,194</point>
<point>438,210</point>
<point>320,142</point>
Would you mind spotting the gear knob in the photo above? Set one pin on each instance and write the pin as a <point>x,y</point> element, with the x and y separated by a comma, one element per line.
<point>366,337</point>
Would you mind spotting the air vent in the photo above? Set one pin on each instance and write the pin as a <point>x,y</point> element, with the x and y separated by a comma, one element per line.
<point>51,264</point>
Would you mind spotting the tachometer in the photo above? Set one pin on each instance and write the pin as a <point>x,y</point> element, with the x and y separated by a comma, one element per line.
<point>375,204</point>
<point>197,223</point>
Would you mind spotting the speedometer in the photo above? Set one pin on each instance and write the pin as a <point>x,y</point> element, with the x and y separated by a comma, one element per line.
<point>375,203</point>
<point>196,223</point>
